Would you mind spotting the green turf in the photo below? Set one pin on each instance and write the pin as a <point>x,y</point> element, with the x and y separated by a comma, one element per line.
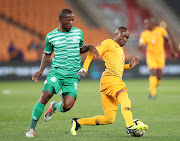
<point>162,115</point>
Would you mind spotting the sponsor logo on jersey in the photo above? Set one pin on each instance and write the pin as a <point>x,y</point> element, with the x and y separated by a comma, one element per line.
<point>123,58</point>
<point>75,38</point>
<point>53,79</point>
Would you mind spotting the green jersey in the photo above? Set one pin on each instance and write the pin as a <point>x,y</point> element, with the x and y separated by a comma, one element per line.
<point>66,47</point>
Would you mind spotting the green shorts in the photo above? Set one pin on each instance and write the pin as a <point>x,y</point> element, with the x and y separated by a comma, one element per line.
<point>54,83</point>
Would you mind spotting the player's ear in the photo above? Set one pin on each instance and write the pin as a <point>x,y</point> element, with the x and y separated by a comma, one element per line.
<point>116,34</point>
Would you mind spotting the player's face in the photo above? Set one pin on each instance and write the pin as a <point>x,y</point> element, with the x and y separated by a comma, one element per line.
<point>67,22</point>
<point>121,37</point>
<point>147,24</point>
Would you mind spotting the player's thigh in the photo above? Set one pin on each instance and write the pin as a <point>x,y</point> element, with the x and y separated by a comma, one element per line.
<point>70,87</point>
<point>52,83</point>
<point>151,62</point>
<point>111,85</point>
<point>109,103</point>
<point>160,63</point>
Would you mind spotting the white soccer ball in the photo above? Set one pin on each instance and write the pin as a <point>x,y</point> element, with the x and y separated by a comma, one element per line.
<point>137,133</point>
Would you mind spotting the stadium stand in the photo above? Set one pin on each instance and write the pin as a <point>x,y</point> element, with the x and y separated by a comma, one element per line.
<point>24,20</point>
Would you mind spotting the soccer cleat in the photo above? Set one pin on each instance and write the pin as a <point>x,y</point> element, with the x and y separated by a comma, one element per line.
<point>30,133</point>
<point>152,97</point>
<point>48,115</point>
<point>75,126</point>
<point>134,128</point>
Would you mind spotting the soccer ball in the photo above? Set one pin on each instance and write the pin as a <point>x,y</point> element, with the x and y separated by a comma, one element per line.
<point>137,133</point>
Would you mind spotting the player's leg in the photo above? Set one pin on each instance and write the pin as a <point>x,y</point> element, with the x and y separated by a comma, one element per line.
<point>37,112</point>
<point>69,89</point>
<point>152,65</point>
<point>160,66</point>
<point>159,76</point>
<point>67,103</point>
<point>110,106</point>
<point>153,82</point>
<point>122,97</point>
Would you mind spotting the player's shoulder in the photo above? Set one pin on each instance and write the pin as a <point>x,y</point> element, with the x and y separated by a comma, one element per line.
<point>159,28</point>
<point>145,32</point>
<point>107,41</point>
<point>52,32</point>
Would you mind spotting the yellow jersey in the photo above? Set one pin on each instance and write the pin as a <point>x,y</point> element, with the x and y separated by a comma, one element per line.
<point>155,41</point>
<point>113,56</point>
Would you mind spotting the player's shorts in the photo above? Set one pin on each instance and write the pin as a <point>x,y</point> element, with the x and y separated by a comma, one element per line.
<point>54,83</point>
<point>156,62</point>
<point>109,86</point>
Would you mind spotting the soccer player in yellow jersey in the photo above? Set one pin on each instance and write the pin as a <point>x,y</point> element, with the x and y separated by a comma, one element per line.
<point>113,89</point>
<point>153,37</point>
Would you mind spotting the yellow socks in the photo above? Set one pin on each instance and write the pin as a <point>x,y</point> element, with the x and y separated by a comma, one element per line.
<point>152,84</point>
<point>126,108</point>
<point>108,118</point>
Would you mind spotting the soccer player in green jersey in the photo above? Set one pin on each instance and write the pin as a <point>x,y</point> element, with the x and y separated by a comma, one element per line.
<point>67,43</point>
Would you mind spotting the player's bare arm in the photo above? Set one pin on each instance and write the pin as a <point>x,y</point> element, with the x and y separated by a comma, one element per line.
<point>134,61</point>
<point>173,52</point>
<point>44,63</point>
<point>91,49</point>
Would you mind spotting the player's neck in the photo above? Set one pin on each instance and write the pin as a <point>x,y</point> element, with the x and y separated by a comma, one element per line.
<point>61,29</point>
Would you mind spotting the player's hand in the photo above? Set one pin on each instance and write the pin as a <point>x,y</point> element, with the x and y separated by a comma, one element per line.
<point>36,76</point>
<point>83,71</point>
<point>134,61</point>
<point>92,49</point>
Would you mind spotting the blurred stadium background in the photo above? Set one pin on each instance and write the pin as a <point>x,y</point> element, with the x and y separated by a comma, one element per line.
<point>25,23</point>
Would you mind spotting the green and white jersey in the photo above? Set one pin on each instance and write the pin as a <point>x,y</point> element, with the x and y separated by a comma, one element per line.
<point>66,47</point>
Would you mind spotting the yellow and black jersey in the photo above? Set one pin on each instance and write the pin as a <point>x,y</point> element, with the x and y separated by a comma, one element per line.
<point>113,56</point>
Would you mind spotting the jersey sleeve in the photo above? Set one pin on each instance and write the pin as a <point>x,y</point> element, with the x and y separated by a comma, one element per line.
<point>101,48</point>
<point>164,32</point>
<point>88,61</point>
<point>142,39</point>
<point>81,43</point>
<point>48,48</point>
<point>126,66</point>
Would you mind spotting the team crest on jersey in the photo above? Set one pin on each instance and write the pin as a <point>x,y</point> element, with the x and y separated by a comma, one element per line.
<point>75,38</point>
<point>123,58</point>
<point>53,79</point>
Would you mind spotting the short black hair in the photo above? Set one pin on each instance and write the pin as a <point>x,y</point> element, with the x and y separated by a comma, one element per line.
<point>63,12</point>
<point>122,27</point>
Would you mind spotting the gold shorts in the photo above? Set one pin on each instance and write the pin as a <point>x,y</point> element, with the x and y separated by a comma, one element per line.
<point>109,86</point>
<point>155,62</point>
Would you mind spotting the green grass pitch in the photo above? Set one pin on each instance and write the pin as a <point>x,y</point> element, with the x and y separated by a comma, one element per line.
<point>162,115</point>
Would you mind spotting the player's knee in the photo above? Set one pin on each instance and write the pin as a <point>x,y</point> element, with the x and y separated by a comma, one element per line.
<point>67,106</point>
<point>110,117</point>
<point>46,95</point>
